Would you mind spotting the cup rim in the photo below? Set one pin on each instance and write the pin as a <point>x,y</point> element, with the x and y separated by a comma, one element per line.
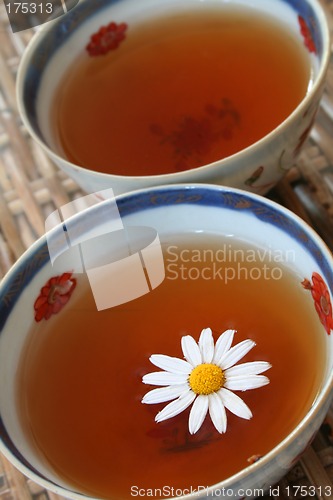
<point>165,178</point>
<point>324,393</point>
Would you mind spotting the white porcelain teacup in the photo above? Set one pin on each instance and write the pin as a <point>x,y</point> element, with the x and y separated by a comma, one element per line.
<point>256,168</point>
<point>169,211</point>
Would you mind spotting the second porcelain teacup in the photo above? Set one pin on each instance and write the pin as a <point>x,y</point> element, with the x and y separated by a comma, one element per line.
<point>97,31</point>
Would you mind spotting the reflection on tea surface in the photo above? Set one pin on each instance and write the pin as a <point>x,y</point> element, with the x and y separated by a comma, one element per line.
<point>80,384</point>
<point>180,91</point>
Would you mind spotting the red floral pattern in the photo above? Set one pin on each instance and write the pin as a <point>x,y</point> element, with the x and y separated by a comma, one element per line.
<point>255,176</point>
<point>107,38</point>
<point>194,137</point>
<point>54,295</point>
<point>322,300</point>
<point>304,135</point>
<point>306,34</point>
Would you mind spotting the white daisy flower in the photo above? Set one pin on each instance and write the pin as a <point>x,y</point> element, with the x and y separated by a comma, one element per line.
<point>206,378</point>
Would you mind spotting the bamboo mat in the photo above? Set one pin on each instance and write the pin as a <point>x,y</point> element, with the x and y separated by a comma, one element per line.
<point>31,187</point>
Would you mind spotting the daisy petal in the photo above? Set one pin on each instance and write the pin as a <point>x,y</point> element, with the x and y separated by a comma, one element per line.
<point>206,345</point>
<point>170,364</point>
<point>234,404</point>
<point>191,350</point>
<point>197,414</point>
<point>217,412</point>
<point>176,407</point>
<point>244,383</point>
<point>163,394</point>
<point>251,368</point>
<point>223,345</point>
<point>236,353</point>
<point>164,378</point>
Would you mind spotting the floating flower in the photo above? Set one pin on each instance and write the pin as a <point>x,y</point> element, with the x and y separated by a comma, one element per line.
<point>205,378</point>
<point>107,38</point>
<point>322,301</point>
<point>54,295</point>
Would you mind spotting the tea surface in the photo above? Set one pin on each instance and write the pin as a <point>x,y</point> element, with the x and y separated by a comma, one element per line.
<point>80,382</point>
<point>180,91</point>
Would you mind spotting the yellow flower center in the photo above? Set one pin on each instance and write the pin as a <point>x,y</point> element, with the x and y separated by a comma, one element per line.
<point>206,379</point>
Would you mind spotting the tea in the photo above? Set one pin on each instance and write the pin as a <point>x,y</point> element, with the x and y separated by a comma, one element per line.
<point>181,91</point>
<point>80,382</point>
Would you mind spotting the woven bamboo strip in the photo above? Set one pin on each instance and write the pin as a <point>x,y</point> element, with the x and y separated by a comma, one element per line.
<point>7,79</point>
<point>16,482</point>
<point>316,473</point>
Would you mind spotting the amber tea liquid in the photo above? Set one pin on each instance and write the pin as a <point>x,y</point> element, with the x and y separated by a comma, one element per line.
<point>80,388</point>
<point>180,91</point>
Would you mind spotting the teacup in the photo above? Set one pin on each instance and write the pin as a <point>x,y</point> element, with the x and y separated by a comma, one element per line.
<point>256,168</point>
<point>29,298</point>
